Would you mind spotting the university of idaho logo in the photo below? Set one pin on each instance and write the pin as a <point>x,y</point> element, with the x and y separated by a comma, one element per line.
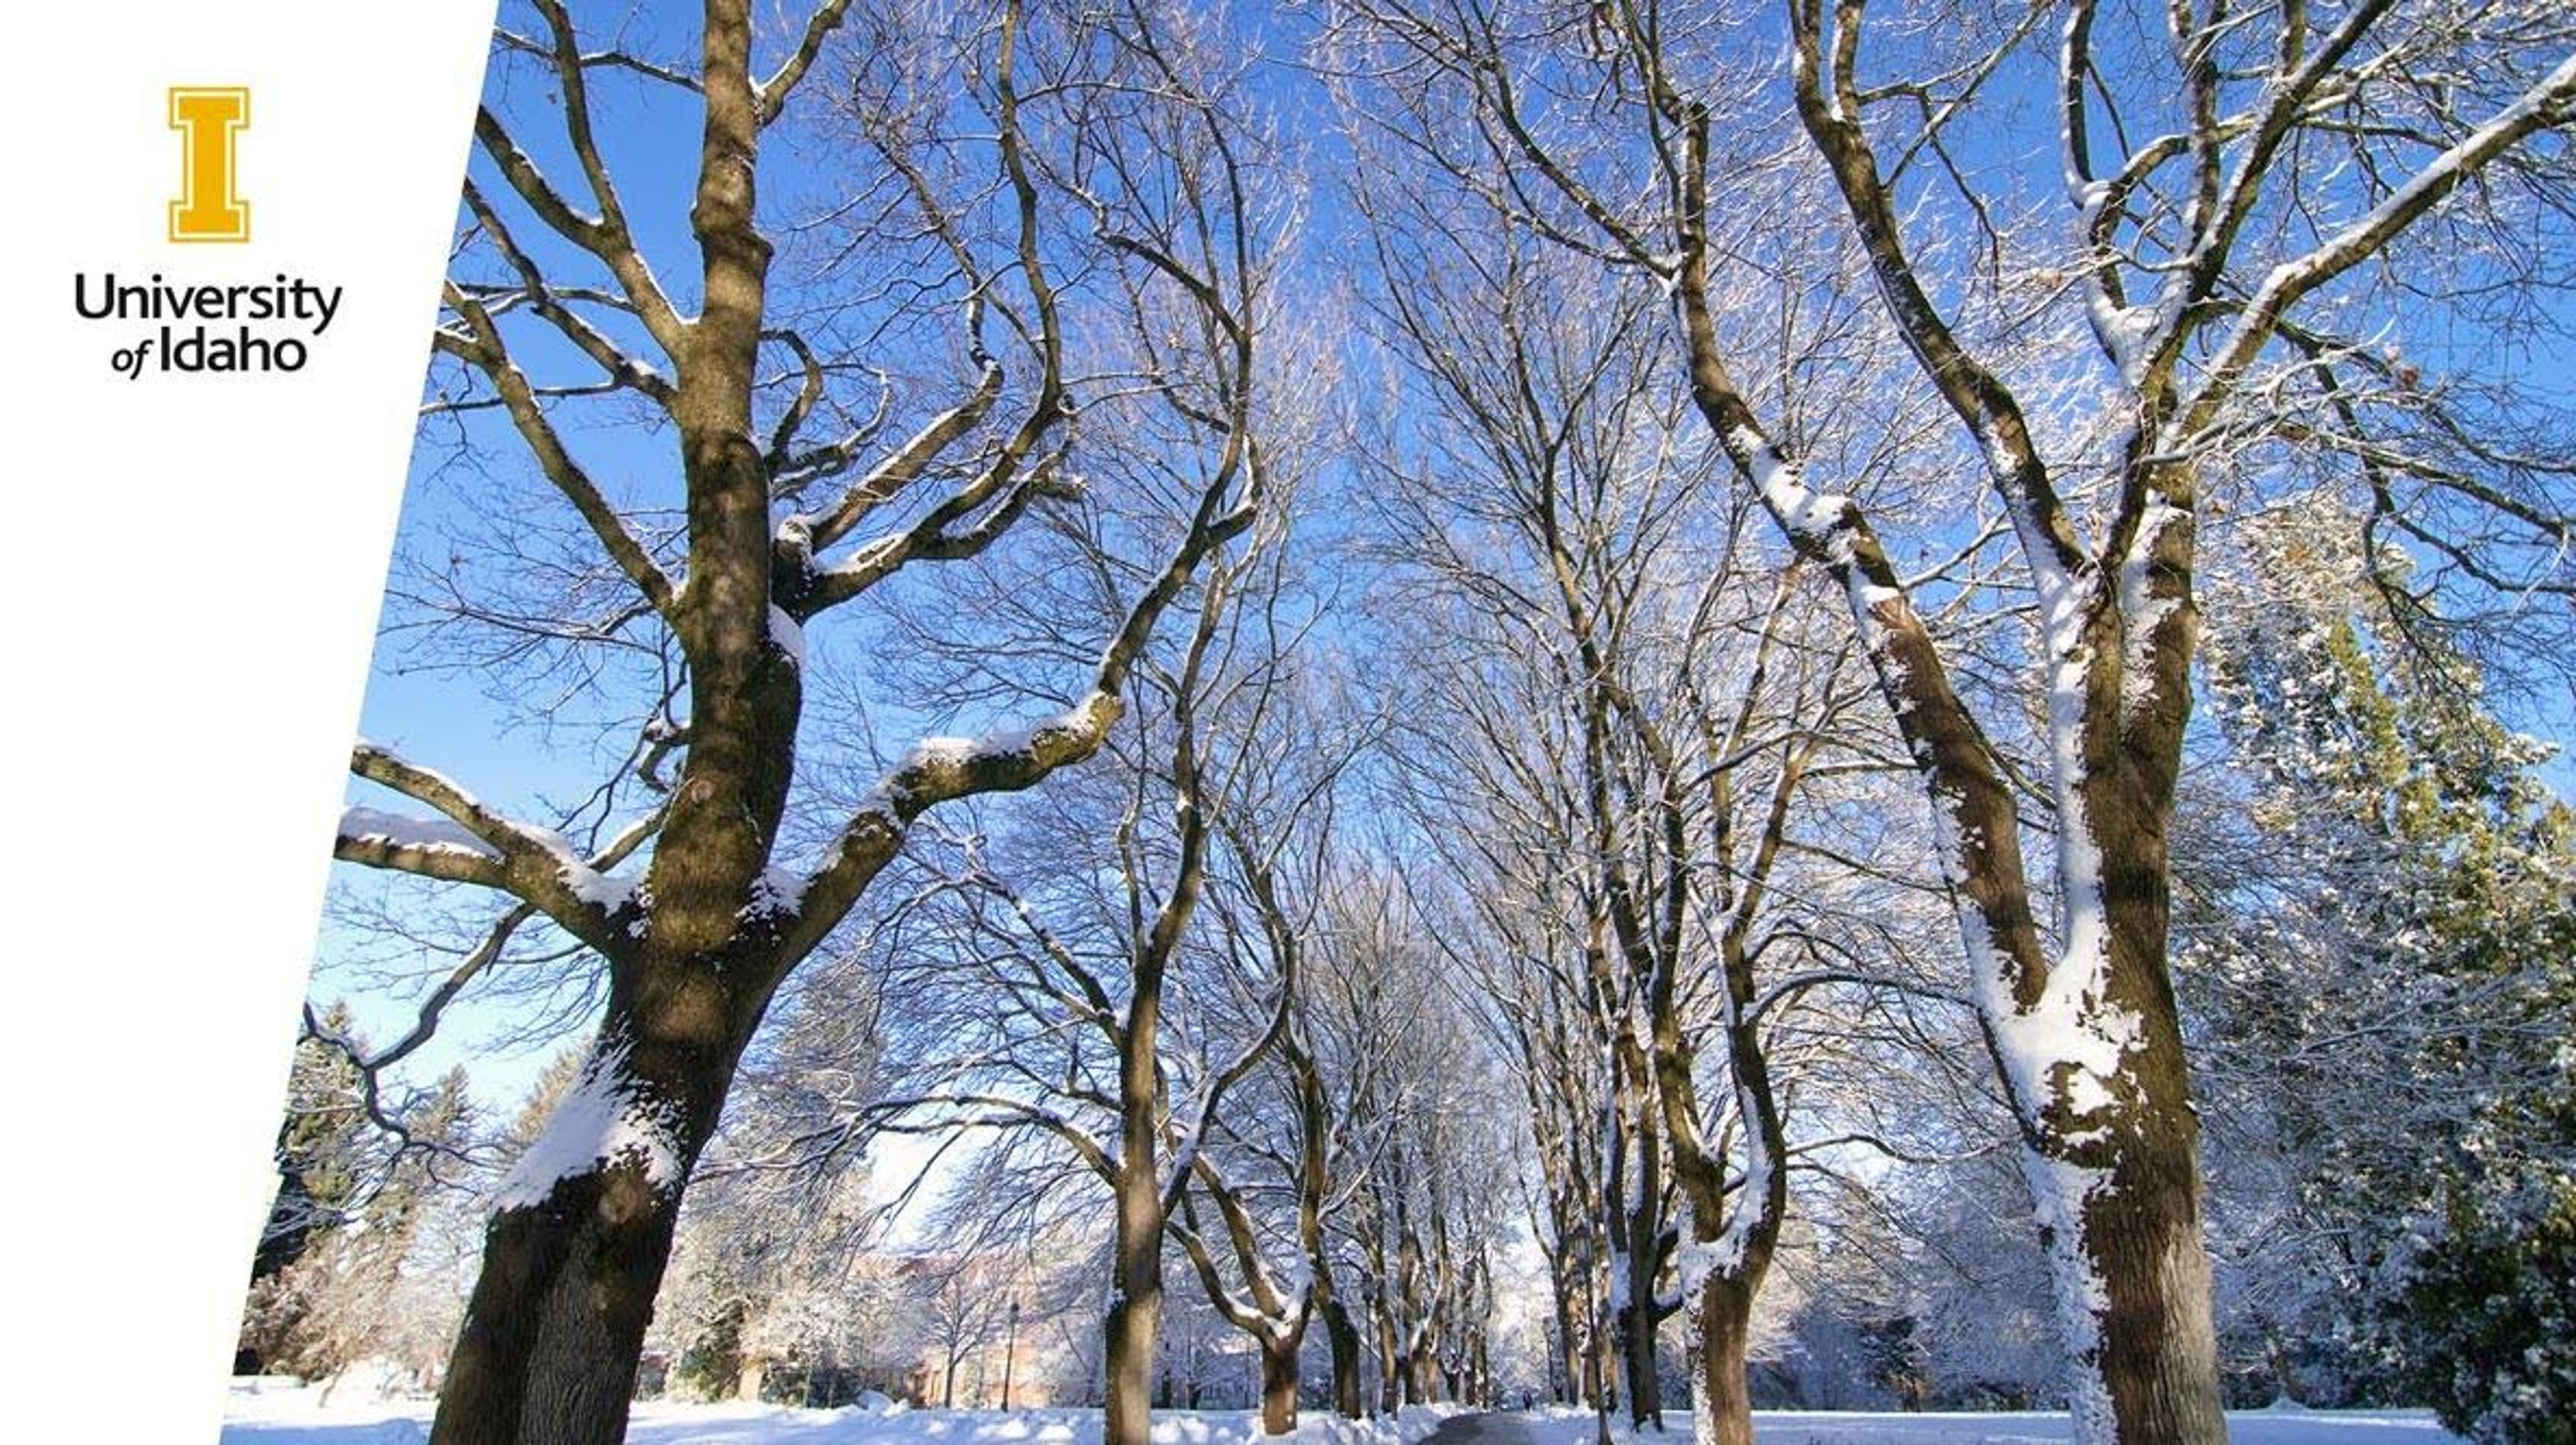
<point>171,324</point>
<point>209,120</point>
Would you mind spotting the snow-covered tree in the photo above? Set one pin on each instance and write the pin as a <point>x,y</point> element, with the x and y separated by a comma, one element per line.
<point>327,1148</point>
<point>2246,194</point>
<point>372,1284</point>
<point>2379,944</point>
<point>1088,1011</point>
<point>746,486</point>
<point>2478,1319</point>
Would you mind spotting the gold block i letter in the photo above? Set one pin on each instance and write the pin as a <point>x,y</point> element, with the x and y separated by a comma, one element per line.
<point>208,118</point>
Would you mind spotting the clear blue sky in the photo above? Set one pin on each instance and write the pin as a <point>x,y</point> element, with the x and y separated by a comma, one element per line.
<point>445,721</point>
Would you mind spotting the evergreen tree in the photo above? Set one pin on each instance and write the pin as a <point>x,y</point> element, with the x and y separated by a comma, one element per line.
<point>552,1084</point>
<point>2481,1319</point>
<point>353,1291</point>
<point>323,1145</point>
<point>326,1152</point>
<point>2384,957</point>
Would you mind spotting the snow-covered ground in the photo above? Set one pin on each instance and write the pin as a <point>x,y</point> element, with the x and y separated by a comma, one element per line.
<point>269,1414</point>
<point>266,1413</point>
<point>1835,1427</point>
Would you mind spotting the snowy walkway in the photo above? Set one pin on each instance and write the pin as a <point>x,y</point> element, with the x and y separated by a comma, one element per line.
<point>1493,1429</point>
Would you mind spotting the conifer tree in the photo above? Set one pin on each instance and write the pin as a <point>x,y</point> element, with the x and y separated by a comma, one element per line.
<point>324,1155</point>
<point>2385,970</point>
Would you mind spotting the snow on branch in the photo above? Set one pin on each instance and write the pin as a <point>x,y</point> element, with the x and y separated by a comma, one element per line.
<point>772,93</point>
<point>472,843</point>
<point>945,533</point>
<point>2549,103</point>
<point>889,477</point>
<point>425,835</point>
<point>938,770</point>
<point>603,237</point>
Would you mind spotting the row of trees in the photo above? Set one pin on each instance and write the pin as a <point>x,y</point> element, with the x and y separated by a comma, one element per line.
<point>1514,566</point>
<point>2103,392</point>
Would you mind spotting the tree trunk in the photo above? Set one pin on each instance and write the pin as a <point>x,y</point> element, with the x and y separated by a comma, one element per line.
<point>1135,1312</point>
<point>2134,1284</point>
<point>1390,1366</point>
<point>1724,1409</point>
<point>1344,1337</point>
<point>1278,1387</point>
<point>1603,1373</point>
<point>1637,1336</point>
<point>2276,1354</point>
<point>1569,1348</point>
<point>1643,1223</point>
<point>1136,1298</point>
<point>548,1350</point>
<point>2158,1348</point>
<point>2145,1348</point>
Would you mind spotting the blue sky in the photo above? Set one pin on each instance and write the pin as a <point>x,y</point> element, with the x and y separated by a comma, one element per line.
<point>444,719</point>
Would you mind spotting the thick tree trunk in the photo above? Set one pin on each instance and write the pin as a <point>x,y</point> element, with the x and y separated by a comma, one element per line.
<point>2134,1281</point>
<point>1637,1338</point>
<point>548,1351</point>
<point>1343,1335</point>
<point>1136,1283</point>
<point>1279,1387</point>
<point>1390,1366</point>
<point>2158,1350</point>
<point>1642,1223</point>
<point>1127,1413</point>
<point>1569,1346</point>
<point>1604,1371</point>
<point>2153,1355</point>
<point>1723,1413</point>
<point>555,1326</point>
